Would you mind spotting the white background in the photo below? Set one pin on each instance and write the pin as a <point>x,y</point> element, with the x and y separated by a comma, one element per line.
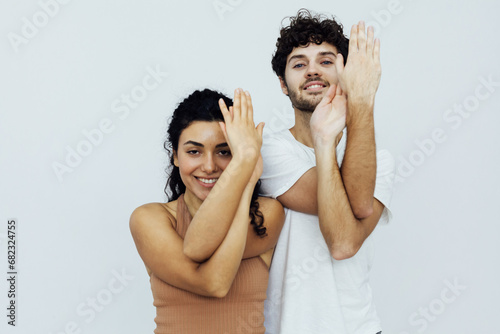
<point>73,235</point>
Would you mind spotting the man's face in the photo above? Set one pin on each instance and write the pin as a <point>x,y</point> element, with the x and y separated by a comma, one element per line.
<point>309,72</point>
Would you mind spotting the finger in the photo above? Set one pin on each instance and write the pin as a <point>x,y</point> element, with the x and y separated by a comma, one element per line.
<point>339,63</point>
<point>369,42</point>
<point>330,94</point>
<point>353,40</point>
<point>225,113</point>
<point>339,137</point>
<point>243,106</point>
<point>223,128</point>
<point>236,104</point>
<point>260,128</point>
<point>249,107</point>
<point>338,91</point>
<point>361,37</point>
<point>339,66</point>
<point>376,50</point>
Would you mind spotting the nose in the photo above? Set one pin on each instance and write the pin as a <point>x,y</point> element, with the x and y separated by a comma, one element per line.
<point>209,166</point>
<point>313,70</point>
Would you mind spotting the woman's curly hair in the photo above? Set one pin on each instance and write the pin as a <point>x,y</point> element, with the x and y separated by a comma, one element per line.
<point>303,30</point>
<point>201,106</point>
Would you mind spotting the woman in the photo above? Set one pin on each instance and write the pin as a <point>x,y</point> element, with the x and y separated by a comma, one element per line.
<point>209,273</point>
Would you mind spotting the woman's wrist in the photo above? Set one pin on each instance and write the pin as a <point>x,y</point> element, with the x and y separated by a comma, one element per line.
<point>247,154</point>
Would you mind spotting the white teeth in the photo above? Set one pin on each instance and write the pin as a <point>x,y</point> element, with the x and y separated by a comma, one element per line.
<point>315,86</point>
<point>207,180</point>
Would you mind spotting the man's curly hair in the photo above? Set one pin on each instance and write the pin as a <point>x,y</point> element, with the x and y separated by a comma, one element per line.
<point>303,30</point>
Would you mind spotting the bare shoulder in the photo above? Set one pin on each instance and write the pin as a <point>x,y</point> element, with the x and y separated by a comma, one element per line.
<point>152,214</point>
<point>271,209</point>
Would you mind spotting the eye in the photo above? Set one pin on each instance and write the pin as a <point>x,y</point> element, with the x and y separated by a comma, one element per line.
<point>327,62</point>
<point>226,153</point>
<point>298,65</point>
<point>193,152</point>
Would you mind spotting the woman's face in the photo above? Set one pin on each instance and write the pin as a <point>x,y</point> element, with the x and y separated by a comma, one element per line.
<point>202,156</point>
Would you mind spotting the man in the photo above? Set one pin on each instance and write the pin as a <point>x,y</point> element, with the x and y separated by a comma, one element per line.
<point>319,276</point>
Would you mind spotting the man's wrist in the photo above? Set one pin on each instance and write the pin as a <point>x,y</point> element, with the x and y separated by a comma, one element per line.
<point>360,114</point>
<point>326,163</point>
<point>361,100</point>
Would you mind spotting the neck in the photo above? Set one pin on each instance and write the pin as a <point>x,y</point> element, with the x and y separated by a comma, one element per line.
<point>193,203</point>
<point>301,130</point>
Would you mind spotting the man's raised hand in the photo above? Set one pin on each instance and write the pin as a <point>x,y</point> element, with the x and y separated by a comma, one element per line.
<point>361,75</point>
<point>329,117</point>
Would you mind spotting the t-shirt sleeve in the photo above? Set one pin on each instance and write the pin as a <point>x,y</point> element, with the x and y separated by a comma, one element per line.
<point>282,165</point>
<point>384,183</point>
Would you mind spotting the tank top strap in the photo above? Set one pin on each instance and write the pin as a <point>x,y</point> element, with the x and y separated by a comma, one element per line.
<point>183,216</point>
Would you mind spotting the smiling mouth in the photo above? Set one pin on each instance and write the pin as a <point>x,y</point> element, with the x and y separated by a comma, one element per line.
<point>207,181</point>
<point>314,85</point>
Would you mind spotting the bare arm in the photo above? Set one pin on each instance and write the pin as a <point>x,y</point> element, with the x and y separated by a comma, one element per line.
<point>344,233</point>
<point>359,165</point>
<point>205,233</point>
<point>215,216</point>
<point>274,217</point>
<point>346,209</point>
<point>161,249</point>
<point>359,80</point>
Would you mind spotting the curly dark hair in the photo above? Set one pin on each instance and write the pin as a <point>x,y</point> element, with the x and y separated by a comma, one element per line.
<point>303,30</point>
<point>201,106</point>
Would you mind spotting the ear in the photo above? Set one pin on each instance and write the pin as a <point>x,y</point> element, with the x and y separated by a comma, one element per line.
<point>176,160</point>
<point>284,88</point>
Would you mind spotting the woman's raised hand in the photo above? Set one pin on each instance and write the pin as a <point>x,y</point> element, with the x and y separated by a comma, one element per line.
<point>243,137</point>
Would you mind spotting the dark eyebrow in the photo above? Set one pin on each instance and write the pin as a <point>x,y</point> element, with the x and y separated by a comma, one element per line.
<point>327,53</point>
<point>296,57</point>
<point>324,53</point>
<point>190,142</point>
<point>194,143</point>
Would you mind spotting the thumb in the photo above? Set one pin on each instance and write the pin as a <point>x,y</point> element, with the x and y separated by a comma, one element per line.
<point>330,94</point>
<point>339,91</point>
<point>339,63</point>
<point>339,66</point>
<point>260,128</point>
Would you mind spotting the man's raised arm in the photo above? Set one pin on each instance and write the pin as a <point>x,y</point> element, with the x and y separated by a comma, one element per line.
<point>360,79</point>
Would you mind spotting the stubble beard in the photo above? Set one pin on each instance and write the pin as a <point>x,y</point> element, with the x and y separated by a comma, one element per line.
<point>303,104</point>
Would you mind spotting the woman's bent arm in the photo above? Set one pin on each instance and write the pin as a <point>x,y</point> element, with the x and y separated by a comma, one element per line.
<point>208,230</point>
<point>161,249</point>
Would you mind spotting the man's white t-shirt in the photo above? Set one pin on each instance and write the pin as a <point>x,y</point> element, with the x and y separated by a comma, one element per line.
<point>309,291</point>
